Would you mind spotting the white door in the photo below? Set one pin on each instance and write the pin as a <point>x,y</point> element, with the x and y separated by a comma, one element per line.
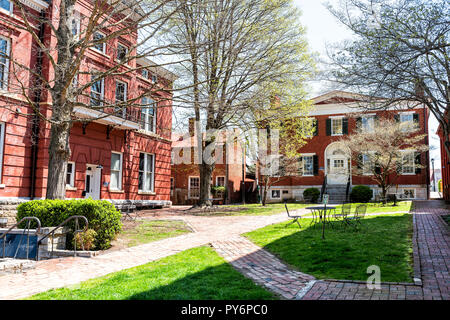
<point>337,170</point>
<point>92,183</point>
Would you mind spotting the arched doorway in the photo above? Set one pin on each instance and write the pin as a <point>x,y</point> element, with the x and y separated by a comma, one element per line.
<point>337,164</point>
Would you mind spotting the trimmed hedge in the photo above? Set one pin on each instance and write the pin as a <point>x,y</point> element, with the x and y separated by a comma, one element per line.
<point>102,216</point>
<point>361,194</point>
<point>311,194</point>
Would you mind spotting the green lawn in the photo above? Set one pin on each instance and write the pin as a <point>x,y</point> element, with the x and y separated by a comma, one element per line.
<point>198,273</point>
<point>143,231</point>
<point>384,240</point>
<point>403,206</point>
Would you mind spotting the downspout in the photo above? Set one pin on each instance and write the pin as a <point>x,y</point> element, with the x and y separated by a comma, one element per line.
<point>36,121</point>
<point>425,120</point>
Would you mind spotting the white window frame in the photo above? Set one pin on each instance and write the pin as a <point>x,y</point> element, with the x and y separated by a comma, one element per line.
<point>125,97</point>
<point>76,18</point>
<point>363,164</point>
<point>189,187</point>
<point>103,51</point>
<point>145,126</point>
<point>407,153</point>
<point>304,163</point>
<point>2,144</point>
<point>102,92</point>
<point>217,180</point>
<point>11,8</point>
<point>72,175</point>
<point>411,122</point>
<point>152,180</point>
<point>271,193</point>
<point>368,117</point>
<point>6,71</point>
<point>117,52</point>
<point>341,120</point>
<point>119,187</point>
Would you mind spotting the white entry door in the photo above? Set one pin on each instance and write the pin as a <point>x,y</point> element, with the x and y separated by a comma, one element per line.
<point>92,183</point>
<point>337,170</point>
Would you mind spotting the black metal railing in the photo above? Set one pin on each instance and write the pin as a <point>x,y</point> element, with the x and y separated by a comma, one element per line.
<point>77,230</point>
<point>347,190</point>
<point>27,229</point>
<point>324,188</point>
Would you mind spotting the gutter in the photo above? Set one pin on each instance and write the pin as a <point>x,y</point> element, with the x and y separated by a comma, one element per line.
<point>36,121</point>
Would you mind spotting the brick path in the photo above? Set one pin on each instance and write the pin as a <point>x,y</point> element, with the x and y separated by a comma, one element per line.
<point>431,259</point>
<point>57,273</point>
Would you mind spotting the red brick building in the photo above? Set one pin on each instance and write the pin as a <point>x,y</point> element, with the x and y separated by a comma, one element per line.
<point>445,163</point>
<point>185,177</point>
<point>335,114</point>
<point>125,157</point>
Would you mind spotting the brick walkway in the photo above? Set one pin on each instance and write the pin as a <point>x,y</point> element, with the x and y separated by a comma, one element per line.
<point>431,261</point>
<point>57,273</point>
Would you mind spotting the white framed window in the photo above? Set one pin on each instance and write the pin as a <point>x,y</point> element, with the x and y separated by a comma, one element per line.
<point>121,97</point>
<point>144,73</point>
<point>220,181</point>
<point>101,47</point>
<point>6,5</point>
<point>148,114</point>
<point>5,48</point>
<point>70,175</point>
<point>98,92</point>
<point>194,187</point>
<point>2,143</point>
<point>367,165</point>
<point>408,163</point>
<point>368,123</point>
<point>146,172</point>
<point>122,52</point>
<point>275,194</point>
<point>407,121</point>
<point>154,78</point>
<point>336,126</point>
<point>116,171</point>
<point>75,26</point>
<point>308,165</point>
<point>409,193</point>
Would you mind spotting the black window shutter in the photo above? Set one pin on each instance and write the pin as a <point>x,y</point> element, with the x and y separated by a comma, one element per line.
<point>416,118</point>
<point>358,123</point>
<point>316,127</point>
<point>300,167</point>
<point>345,126</point>
<point>316,165</point>
<point>397,117</point>
<point>328,127</point>
<point>418,162</point>
<point>360,160</point>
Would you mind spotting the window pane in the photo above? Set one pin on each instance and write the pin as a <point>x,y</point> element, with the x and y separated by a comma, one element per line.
<point>141,180</point>
<point>69,174</point>
<point>115,180</point>
<point>336,126</point>
<point>141,161</point>
<point>149,163</point>
<point>5,4</point>
<point>115,161</point>
<point>100,46</point>
<point>308,166</point>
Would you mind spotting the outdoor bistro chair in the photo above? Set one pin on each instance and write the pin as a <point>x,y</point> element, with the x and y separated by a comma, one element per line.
<point>360,212</point>
<point>346,209</point>
<point>293,217</point>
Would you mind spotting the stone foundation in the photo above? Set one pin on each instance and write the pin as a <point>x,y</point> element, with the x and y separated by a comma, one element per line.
<point>8,209</point>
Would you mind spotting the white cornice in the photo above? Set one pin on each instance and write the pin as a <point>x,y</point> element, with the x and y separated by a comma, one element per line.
<point>35,4</point>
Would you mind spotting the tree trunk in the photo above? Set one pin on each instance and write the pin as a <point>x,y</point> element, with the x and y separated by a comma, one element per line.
<point>59,154</point>
<point>383,193</point>
<point>264,199</point>
<point>205,184</point>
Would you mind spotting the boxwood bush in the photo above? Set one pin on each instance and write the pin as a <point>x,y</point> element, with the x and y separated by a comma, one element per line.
<point>361,194</point>
<point>102,216</point>
<point>311,194</point>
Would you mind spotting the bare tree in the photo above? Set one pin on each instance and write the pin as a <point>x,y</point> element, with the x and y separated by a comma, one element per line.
<point>401,53</point>
<point>238,50</point>
<point>65,36</point>
<point>386,150</point>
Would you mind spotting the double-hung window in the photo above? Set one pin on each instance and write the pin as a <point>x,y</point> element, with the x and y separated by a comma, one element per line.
<point>122,52</point>
<point>194,187</point>
<point>148,115</point>
<point>144,73</point>
<point>97,92</point>
<point>146,172</point>
<point>336,126</point>
<point>308,165</point>
<point>4,63</point>
<point>220,181</point>
<point>121,97</point>
<point>101,45</point>
<point>407,121</point>
<point>368,123</point>
<point>116,171</point>
<point>70,175</point>
<point>367,165</point>
<point>408,163</point>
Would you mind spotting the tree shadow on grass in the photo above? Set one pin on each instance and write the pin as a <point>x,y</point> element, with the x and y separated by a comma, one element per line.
<point>345,253</point>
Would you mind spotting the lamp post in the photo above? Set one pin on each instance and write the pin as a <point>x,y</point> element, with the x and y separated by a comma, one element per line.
<point>434,180</point>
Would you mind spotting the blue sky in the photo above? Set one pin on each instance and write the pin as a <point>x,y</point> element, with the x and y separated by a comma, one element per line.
<point>322,28</point>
